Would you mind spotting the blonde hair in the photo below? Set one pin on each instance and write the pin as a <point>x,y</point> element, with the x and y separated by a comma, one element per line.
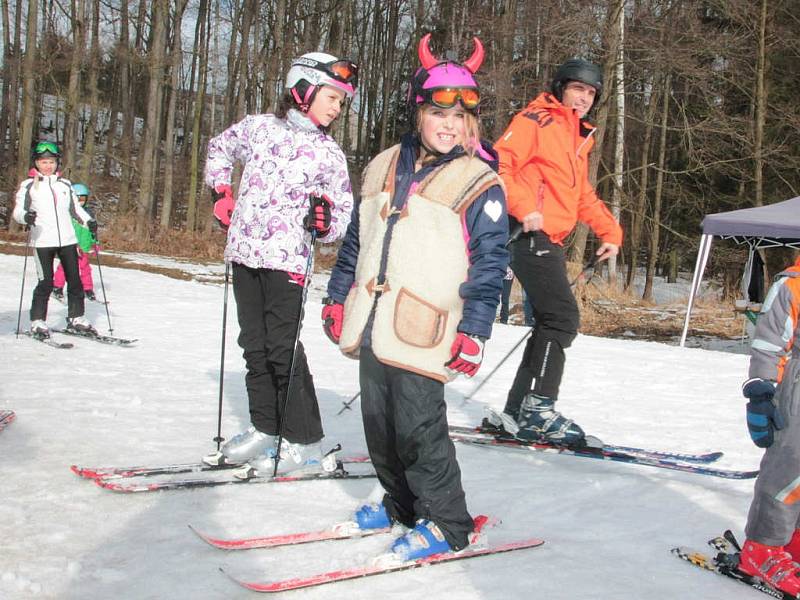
<point>472,128</point>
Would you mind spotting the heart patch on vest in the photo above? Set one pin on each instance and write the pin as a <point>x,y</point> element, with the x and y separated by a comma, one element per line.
<point>493,209</point>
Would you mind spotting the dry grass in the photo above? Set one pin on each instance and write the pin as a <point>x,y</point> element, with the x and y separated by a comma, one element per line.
<point>608,312</point>
<point>120,235</point>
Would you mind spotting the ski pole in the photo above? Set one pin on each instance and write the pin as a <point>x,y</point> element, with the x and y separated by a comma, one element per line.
<point>500,364</point>
<point>588,266</point>
<point>103,288</point>
<point>24,269</point>
<point>219,439</point>
<point>306,285</point>
<point>346,405</point>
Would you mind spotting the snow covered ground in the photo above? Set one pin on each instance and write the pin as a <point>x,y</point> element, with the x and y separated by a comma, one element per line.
<point>608,527</point>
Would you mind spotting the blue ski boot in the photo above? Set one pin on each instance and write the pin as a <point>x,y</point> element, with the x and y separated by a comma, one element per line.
<point>540,422</point>
<point>373,516</point>
<point>424,540</point>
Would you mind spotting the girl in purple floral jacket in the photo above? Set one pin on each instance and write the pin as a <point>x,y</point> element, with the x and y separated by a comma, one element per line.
<point>294,182</point>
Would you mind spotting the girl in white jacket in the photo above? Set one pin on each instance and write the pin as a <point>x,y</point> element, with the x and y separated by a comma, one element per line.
<point>46,203</point>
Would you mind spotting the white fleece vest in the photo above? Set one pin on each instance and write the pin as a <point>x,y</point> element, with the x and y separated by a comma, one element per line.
<point>418,306</point>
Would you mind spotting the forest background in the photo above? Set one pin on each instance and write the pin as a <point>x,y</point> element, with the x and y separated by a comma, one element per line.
<point>698,114</point>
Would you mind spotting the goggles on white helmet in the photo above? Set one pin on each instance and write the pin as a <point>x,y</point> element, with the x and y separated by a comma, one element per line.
<point>310,71</point>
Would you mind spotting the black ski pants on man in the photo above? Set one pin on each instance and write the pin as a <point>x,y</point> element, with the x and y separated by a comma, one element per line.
<point>268,307</point>
<point>541,268</point>
<point>405,423</point>
<point>68,255</point>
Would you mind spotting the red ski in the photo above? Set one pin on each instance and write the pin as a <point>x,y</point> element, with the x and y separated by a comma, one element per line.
<point>385,564</point>
<point>6,418</point>
<point>340,531</point>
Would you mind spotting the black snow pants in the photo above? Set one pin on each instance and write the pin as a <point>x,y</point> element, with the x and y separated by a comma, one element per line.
<point>541,268</point>
<point>268,307</point>
<point>68,255</point>
<point>405,423</point>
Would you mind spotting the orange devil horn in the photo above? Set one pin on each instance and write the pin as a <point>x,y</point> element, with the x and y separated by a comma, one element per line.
<point>474,61</point>
<point>426,58</point>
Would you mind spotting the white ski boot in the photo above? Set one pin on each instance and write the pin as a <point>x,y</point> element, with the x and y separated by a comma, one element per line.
<point>39,329</point>
<point>241,448</point>
<point>295,458</point>
<point>81,325</point>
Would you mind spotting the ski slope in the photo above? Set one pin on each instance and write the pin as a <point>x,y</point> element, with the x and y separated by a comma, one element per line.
<point>608,527</point>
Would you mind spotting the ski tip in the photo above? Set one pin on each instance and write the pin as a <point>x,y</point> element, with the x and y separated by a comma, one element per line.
<point>250,586</point>
<point>82,472</point>
<point>207,539</point>
<point>108,485</point>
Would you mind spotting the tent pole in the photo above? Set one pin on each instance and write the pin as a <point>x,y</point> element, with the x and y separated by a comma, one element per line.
<point>699,267</point>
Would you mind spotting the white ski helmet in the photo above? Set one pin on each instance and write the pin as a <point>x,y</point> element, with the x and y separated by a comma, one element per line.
<point>314,69</point>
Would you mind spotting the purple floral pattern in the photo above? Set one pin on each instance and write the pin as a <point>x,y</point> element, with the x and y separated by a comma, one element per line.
<point>284,162</point>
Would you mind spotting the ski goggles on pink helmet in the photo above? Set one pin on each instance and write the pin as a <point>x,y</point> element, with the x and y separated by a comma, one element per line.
<point>446,83</point>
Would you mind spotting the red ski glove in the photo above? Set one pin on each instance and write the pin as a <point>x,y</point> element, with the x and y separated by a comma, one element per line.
<point>332,317</point>
<point>223,203</point>
<point>319,214</point>
<point>467,355</point>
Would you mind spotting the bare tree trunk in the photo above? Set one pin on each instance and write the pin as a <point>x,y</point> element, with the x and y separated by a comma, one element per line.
<point>243,59</point>
<point>213,67</point>
<point>761,106</point>
<point>69,149</point>
<point>198,35</point>
<point>656,223</point>
<point>125,147</point>
<point>115,111</point>
<point>29,77</point>
<point>504,59</point>
<point>362,132</point>
<point>8,106</point>
<point>169,144</point>
<point>638,212</point>
<point>13,88</point>
<point>278,49</point>
<point>233,69</point>
<point>619,156</point>
<point>148,155</point>
<point>388,68</point>
<point>84,173</point>
<point>199,104</point>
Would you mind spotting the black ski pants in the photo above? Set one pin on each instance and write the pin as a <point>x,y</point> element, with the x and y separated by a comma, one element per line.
<point>68,255</point>
<point>541,268</point>
<point>268,308</point>
<point>405,423</point>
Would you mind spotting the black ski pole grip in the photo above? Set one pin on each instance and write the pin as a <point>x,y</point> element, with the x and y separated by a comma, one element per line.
<point>514,235</point>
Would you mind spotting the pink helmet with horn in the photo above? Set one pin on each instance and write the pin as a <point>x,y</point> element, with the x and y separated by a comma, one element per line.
<point>440,81</point>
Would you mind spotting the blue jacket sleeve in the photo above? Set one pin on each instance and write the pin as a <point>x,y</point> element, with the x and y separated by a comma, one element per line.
<point>344,272</point>
<point>486,221</point>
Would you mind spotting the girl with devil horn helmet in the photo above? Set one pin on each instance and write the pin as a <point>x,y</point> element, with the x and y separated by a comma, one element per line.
<point>413,296</point>
<point>294,189</point>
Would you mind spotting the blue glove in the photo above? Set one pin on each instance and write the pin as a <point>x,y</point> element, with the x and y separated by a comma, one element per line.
<point>763,417</point>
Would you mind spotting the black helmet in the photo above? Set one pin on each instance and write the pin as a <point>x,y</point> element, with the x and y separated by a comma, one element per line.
<point>46,150</point>
<point>577,69</point>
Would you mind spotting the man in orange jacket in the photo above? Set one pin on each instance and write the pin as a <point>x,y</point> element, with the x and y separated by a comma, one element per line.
<point>544,163</point>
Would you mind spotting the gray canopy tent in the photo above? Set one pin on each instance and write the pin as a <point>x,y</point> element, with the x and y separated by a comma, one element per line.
<point>760,227</point>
